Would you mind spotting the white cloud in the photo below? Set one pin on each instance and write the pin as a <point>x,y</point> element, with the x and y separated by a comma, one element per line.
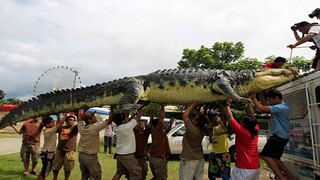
<point>112,39</point>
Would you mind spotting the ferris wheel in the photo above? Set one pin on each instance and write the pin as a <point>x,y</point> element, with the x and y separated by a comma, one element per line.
<point>56,78</point>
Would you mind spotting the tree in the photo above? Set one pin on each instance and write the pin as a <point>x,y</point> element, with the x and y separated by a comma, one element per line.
<point>216,57</point>
<point>12,101</point>
<point>300,63</point>
<point>9,100</point>
<point>2,94</point>
<point>246,63</point>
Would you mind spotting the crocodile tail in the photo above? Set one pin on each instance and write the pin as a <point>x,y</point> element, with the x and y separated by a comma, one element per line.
<point>61,101</point>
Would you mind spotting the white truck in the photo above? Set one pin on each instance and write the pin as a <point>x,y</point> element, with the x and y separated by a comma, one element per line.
<point>302,153</point>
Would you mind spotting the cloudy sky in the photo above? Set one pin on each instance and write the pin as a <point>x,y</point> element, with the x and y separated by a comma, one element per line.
<point>111,39</point>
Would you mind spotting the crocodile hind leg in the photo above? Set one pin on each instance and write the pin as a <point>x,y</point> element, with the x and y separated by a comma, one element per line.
<point>133,93</point>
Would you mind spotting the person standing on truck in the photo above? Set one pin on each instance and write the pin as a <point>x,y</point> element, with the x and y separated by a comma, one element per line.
<point>310,33</point>
<point>280,117</point>
<point>315,13</point>
<point>247,132</point>
<point>192,160</point>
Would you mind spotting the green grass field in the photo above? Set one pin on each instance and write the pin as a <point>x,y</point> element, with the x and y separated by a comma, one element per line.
<point>12,168</point>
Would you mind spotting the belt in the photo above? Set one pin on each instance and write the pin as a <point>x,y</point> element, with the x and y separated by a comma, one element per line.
<point>141,157</point>
<point>162,157</point>
<point>123,154</point>
<point>94,154</point>
<point>47,151</point>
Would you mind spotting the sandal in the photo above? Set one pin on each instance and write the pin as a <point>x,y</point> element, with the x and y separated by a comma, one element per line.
<point>34,172</point>
<point>25,174</point>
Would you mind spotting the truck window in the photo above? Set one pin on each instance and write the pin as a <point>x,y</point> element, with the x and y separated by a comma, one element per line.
<point>298,106</point>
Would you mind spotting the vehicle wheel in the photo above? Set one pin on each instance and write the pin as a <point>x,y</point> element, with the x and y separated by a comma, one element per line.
<point>233,154</point>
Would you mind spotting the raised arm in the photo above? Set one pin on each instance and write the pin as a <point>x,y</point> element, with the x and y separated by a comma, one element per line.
<point>306,38</point>
<point>186,114</point>
<point>228,113</point>
<point>138,115</point>
<point>262,99</point>
<point>250,110</point>
<point>60,121</point>
<point>162,113</point>
<point>109,121</point>
<point>16,130</point>
<point>260,106</point>
<point>151,117</point>
<point>296,35</point>
<point>168,129</point>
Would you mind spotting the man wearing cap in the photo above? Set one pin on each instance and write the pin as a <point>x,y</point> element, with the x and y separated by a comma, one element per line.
<point>50,144</point>
<point>65,154</point>
<point>310,33</point>
<point>89,144</point>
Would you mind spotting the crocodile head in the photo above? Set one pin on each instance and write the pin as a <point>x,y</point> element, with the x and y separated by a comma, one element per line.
<point>268,78</point>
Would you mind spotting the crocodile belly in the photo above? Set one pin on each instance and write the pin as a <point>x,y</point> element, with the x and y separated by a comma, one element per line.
<point>182,94</point>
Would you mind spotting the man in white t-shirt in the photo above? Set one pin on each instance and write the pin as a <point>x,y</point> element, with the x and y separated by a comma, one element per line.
<point>310,33</point>
<point>127,163</point>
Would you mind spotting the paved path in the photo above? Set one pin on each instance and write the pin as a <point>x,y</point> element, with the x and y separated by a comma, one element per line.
<point>10,145</point>
<point>13,144</point>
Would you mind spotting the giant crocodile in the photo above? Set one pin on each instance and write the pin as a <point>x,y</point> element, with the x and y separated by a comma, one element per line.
<point>172,86</point>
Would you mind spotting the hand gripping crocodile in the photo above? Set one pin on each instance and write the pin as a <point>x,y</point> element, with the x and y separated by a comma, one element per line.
<point>172,86</point>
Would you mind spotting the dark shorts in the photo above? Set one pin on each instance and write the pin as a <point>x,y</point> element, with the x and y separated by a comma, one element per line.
<point>159,167</point>
<point>128,165</point>
<point>47,161</point>
<point>274,147</point>
<point>89,166</point>
<point>143,162</point>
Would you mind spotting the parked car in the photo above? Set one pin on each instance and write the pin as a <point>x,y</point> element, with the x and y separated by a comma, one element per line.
<point>146,120</point>
<point>175,142</point>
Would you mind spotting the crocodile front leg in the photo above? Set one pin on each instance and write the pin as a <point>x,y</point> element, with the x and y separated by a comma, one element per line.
<point>223,86</point>
<point>133,91</point>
